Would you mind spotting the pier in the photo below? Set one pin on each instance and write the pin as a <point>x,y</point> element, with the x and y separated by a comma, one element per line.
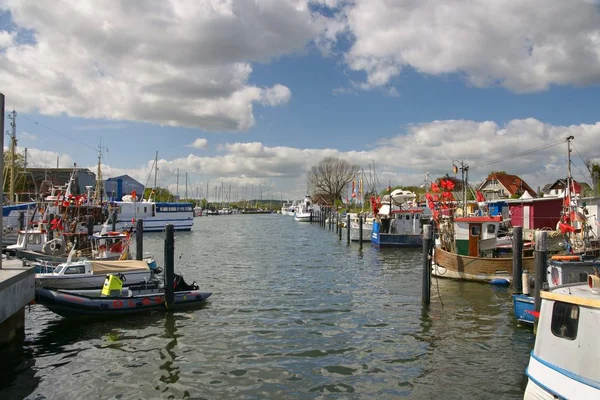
<point>17,283</point>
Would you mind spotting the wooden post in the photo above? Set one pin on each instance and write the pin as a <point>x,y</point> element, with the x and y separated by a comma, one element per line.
<point>139,239</point>
<point>360,229</point>
<point>310,219</point>
<point>21,221</point>
<point>540,253</point>
<point>339,226</point>
<point>517,248</point>
<point>114,221</point>
<point>90,225</point>
<point>169,274</point>
<point>330,217</point>
<point>427,247</point>
<point>348,228</point>
<point>48,227</point>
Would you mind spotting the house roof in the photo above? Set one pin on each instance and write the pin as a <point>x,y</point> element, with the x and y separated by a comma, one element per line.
<point>561,183</point>
<point>512,183</point>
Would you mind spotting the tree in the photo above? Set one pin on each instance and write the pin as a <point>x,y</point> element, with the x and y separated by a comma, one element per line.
<point>160,194</point>
<point>330,177</point>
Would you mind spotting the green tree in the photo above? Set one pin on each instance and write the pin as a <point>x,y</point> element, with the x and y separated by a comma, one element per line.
<point>159,195</point>
<point>330,177</point>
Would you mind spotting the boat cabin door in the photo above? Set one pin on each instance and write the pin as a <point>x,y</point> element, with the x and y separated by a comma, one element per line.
<point>474,237</point>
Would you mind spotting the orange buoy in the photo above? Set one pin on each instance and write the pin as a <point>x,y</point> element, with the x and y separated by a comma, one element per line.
<point>565,258</point>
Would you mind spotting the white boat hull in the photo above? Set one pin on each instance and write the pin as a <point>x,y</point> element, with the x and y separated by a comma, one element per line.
<point>87,281</point>
<point>302,217</point>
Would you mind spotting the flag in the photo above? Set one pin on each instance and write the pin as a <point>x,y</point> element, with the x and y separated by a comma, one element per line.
<point>480,197</point>
<point>353,186</point>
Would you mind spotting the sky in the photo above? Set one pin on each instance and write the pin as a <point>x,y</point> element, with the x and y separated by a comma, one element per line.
<point>251,94</point>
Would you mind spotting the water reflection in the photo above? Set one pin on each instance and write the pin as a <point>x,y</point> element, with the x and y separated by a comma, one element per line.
<point>168,354</point>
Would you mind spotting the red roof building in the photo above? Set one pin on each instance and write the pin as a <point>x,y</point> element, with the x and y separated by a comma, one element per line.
<point>504,186</point>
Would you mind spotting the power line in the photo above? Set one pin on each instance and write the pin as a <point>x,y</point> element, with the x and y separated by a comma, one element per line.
<point>523,153</point>
<point>60,133</point>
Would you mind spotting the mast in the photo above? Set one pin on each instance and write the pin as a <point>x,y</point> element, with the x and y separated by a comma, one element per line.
<point>177,187</point>
<point>186,184</point>
<point>99,180</point>
<point>13,144</point>
<point>155,168</point>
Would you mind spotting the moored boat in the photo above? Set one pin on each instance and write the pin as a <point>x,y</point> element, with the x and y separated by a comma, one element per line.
<point>91,274</point>
<point>132,300</point>
<point>564,361</point>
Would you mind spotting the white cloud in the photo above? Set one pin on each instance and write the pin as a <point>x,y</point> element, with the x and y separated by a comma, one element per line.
<point>199,143</point>
<point>170,62</point>
<point>27,135</point>
<point>6,39</point>
<point>525,46</point>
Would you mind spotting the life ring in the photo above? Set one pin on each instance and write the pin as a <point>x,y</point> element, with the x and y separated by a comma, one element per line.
<point>565,258</point>
<point>53,246</point>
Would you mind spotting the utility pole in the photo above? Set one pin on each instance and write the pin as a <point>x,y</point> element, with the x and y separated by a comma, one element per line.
<point>13,144</point>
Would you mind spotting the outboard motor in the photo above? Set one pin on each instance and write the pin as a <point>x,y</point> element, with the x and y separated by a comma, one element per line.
<point>54,247</point>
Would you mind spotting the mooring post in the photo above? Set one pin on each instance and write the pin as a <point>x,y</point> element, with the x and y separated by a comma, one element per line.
<point>49,227</point>
<point>517,249</point>
<point>310,219</point>
<point>21,218</point>
<point>139,239</point>
<point>339,226</point>
<point>540,253</point>
<point>114,221</point>
<point>330,218</point>
<point>360,229</point>
<point>427,246</point>
<point>348,228</point>
<point>90,225</point>
<point>169,274</point>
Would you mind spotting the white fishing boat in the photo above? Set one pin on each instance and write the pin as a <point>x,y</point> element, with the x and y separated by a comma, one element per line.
<point>305,209</point>
<point>89,274</point>
<point>564,362</point>
<point>12,221</point>
<point>367,228</point>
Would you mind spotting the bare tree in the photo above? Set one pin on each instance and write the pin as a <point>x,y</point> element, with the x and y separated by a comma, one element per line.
<point>330,177</point>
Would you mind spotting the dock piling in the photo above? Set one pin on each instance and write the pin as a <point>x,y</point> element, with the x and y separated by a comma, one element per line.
<point>169,274</point>
<point>517,249</point>
<point>540,256</point>
<point>50,231</point>
<point>21,220</point>
<point>427,247</point>
<point>139,239</point>
<point>114,220</point>
<point>360,229</point>
<point>348,228</point>
<point>90,225</point>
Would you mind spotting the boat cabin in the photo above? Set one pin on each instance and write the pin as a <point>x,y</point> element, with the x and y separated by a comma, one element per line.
<point>477,236</point>
<point>109,245</point>
<point>564,361</point>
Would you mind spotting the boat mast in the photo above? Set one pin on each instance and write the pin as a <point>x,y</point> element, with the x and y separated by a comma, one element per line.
<point>13,144</point>
<point>99,180</point>
<point>186,185</point>
<point>569,181</point>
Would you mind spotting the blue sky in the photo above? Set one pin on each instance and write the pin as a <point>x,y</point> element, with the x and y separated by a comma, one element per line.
<point>275,86</point>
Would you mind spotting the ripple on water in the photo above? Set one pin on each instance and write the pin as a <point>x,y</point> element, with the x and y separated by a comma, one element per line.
<point>295,313</point>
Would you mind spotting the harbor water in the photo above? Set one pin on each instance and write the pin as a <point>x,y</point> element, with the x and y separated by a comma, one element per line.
<point>295,313</point>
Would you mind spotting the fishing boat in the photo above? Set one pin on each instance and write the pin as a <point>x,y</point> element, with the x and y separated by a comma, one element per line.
<point>399,220</point>
<point>561,270</point>
<point>564,361</point>
<point>14,218</point>
<point>367,227</point>
<point>131,300</point>
<point>306,210</point>
<point>89,274</point>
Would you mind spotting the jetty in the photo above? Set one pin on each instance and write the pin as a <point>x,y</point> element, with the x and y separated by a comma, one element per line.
<point>17,283</point>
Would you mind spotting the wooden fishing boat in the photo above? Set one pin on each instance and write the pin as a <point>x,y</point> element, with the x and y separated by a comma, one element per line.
<point>481,269</point>
<point>131,300</point>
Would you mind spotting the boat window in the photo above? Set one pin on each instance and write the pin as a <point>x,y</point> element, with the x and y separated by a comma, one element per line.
<point>407,217</point>
<point>565,319</point>
<point>475,230</point>
<point>78,269</point>
<point>145,209</point>
<point>491,228</point>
